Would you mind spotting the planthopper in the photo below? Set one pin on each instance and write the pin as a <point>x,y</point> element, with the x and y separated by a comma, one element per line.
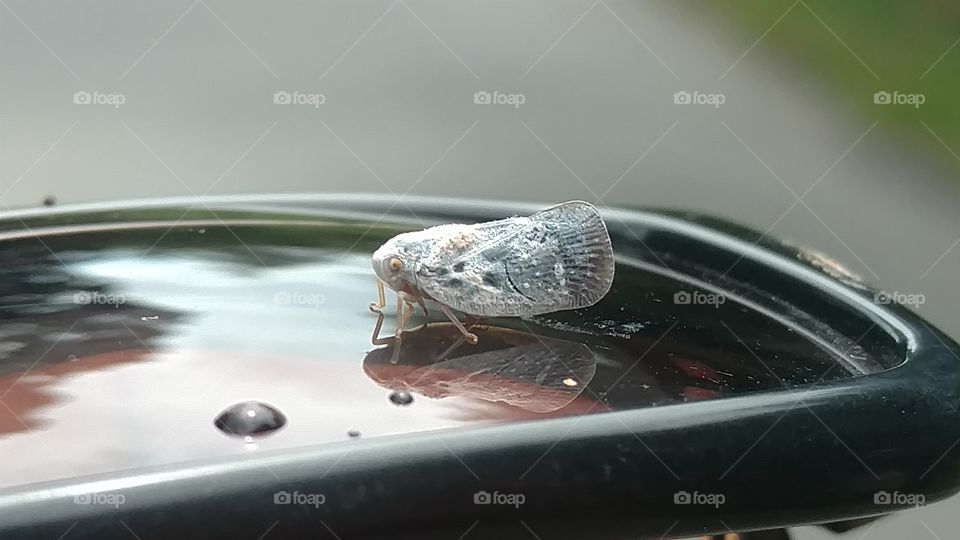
<point>556,259</point>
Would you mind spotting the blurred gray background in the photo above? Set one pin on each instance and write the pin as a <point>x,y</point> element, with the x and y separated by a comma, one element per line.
<point>120,100</point>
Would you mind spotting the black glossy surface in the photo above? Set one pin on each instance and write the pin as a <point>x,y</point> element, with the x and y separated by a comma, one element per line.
<point>827,397</point>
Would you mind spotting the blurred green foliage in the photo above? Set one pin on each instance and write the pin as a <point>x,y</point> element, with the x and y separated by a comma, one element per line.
<point>866,46</point>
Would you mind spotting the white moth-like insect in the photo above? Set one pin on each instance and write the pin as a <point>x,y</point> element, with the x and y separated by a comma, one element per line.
<point>557,259</point>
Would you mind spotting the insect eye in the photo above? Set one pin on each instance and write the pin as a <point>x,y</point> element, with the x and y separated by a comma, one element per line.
<point>395,264</point>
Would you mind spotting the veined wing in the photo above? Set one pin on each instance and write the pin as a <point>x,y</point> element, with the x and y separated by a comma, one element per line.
<point>559,258</point>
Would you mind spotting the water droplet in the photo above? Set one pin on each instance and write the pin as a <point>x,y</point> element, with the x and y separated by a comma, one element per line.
<point>250,418</point>
<point>400,398</point>
<point>150,318</point>
<point>569,382</point>
<point>72,358</point>
<point>353,434</point>
<point>202,231</point>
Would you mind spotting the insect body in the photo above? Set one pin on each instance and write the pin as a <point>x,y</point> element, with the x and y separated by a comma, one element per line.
<point>559,258</point>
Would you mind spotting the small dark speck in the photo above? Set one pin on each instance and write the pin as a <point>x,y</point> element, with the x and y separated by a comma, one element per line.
<point>50,200</point>
<point>353,434</point>
<point>442,271</point>
<point>455,282</point>
<point>490,279</point>
<point>458,267</point>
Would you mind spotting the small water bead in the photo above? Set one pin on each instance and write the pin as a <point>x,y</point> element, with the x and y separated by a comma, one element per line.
<point>401,398</point>
<point>250,418</point>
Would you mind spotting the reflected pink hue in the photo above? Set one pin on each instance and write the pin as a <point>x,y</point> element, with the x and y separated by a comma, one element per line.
<point>129,409</point>
<point>440,383</point>
<point>24,394</point>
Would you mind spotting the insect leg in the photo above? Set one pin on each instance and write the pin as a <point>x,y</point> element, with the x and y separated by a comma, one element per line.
<point>403,316</point>
<point>471,338</point>
<point>376,339</point>
<point>377,307</point>
<point>469,322</point>
<point>456,345</point>
<point>425,315</point>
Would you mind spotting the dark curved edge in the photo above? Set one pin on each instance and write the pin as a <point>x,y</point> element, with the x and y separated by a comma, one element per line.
<point>779,458</point>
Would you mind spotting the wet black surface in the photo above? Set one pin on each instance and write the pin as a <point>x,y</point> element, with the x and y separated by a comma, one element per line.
<point>720,363</point>
<point>258,308</point>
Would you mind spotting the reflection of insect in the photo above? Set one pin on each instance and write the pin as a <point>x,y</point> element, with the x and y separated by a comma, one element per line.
<point>534,373</point>
<point>559,258</point>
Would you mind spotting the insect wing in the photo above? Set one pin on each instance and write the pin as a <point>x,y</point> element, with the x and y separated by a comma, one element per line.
<point>559,258</point>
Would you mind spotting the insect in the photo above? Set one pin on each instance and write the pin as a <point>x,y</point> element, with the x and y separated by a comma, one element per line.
<point>557,259</point>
